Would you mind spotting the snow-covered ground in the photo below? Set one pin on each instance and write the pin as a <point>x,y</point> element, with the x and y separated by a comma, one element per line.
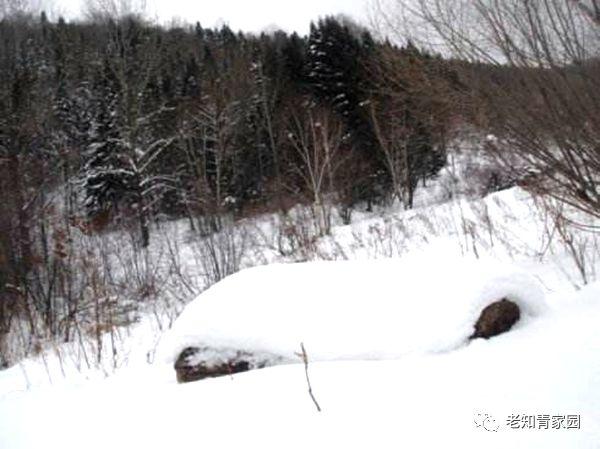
<point>458,398</point>
<point>385,323</point>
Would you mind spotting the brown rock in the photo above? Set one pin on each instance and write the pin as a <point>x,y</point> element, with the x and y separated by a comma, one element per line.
<point>189,370</point>
<point>496,319</point>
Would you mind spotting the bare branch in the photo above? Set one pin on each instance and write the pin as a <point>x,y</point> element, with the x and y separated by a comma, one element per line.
<point>304,357</point>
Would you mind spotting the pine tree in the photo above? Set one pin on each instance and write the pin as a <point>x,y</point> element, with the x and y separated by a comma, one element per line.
<point>334,71</point>
<point>337,54</point>
<point>294,59</point>
<point>72,118</point>
<point>106,178</point>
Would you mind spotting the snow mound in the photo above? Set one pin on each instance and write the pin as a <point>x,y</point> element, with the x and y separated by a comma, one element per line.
<point>359,310</point>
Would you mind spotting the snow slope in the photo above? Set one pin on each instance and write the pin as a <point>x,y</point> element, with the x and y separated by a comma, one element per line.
<point>550,366</point>
<point>391,365</point>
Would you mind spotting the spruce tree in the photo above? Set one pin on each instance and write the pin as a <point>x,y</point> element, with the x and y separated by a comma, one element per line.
<point>106,178</point>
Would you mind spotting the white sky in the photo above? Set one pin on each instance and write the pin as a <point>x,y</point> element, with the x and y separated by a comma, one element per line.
<point>249,15</point>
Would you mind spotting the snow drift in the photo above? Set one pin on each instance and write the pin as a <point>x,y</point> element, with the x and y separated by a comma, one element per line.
<point>359,310</point>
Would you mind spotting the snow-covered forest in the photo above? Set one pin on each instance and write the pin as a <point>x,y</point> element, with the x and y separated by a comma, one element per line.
<point>381,233</point>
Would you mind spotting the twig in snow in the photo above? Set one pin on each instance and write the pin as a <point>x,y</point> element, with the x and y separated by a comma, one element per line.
<point>304,358</point>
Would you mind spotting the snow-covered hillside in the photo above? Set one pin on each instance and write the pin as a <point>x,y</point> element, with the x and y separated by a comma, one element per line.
<point>385,323</point>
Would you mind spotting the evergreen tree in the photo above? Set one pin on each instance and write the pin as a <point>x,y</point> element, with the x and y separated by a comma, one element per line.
<point>294,59</point>
<point>333,65</point>
<point>106,177</point>
<point>336,60</point>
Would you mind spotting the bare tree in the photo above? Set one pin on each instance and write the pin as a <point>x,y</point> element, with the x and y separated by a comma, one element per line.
<point>534,68</point>
<point>102,10</point>
<point>21,8</point>
<point>409,111</point>
<point>317,139</point>
<point>216,121</point>
<point>209,135</point>
<point>393,133</point>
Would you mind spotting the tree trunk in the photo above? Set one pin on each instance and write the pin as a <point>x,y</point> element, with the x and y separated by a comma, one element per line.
<point>144,229</point>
